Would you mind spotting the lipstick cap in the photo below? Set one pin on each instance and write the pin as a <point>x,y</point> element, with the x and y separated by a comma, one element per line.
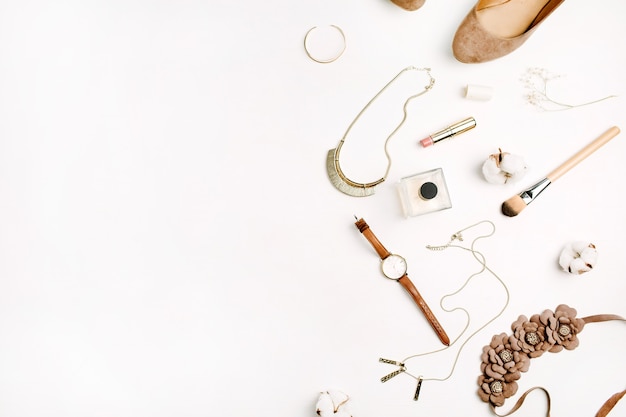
<point>478,92</point>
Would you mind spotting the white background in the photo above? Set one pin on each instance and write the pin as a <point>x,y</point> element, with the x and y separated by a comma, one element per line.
<point>170,244</point>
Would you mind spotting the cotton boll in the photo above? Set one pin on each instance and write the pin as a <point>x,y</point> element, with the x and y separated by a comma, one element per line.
<point>492,172</point>
<point>513,165</point>
<point>339,398</point>
<point>578,257</point>
<point>503,168</point>
<point>333,403</point>
<point>324,406</point>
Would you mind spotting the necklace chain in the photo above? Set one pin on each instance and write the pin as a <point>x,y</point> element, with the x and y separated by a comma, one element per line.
<point>480,258</point>
<point>337,177</point>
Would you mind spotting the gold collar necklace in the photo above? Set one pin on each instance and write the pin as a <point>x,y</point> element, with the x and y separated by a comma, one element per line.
<point>336,175</point>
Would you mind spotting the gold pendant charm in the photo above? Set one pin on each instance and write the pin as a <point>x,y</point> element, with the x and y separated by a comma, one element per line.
<point>397,372</point>
<point>343,183</point>
<point>417,390</point>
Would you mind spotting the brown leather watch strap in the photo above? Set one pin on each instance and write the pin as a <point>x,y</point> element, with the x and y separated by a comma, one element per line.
<point>610,403</point>
<point>408,285</point>
<point>369,235</point>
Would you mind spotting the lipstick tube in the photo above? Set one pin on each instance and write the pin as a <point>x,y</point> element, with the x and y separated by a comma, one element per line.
<point>448,132</point>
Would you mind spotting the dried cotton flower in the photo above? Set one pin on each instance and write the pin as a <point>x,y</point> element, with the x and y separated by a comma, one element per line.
<point>503,168</point>
<point>578,257</point>
<point>333,403</point>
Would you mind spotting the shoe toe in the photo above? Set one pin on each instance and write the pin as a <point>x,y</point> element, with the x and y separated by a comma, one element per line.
<point>409,5</point>
<point>473,44</point>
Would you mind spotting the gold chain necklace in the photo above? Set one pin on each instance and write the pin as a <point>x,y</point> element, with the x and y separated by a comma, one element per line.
<point>482,261</point>
<point>336,175</point>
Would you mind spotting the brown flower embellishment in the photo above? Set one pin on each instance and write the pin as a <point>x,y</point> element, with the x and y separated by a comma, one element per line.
<point>529,336</point>
<point>562,327</point>
<point>501,366</point>
<point>507,356</point>
<point>495,391</point>
<point>501,361</point>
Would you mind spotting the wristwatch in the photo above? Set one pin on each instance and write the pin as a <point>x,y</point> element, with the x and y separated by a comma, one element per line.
<point>394,267</point>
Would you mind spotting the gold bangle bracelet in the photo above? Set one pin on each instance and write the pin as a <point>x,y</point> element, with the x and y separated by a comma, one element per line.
<point>321,60</point>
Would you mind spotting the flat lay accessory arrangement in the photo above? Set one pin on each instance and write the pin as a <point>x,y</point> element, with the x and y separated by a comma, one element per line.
<point>177,183</point>
<point>491,30</point>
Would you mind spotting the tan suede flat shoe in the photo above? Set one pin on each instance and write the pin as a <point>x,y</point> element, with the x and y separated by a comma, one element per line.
<point>409,5</point>
<point>495,28</point>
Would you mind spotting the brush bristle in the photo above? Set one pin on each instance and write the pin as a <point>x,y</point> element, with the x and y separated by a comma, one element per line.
<point>513,206</point>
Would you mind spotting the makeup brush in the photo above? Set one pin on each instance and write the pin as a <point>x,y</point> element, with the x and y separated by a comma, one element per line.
<point>514,205</point>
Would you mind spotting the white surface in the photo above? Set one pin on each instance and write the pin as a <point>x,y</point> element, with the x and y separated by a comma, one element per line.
<point>170,244</point>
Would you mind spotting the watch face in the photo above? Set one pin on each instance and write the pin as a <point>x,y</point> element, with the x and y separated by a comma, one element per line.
<point>394,266</point>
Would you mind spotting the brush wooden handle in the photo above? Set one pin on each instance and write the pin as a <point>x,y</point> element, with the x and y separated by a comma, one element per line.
<point>583,153</point>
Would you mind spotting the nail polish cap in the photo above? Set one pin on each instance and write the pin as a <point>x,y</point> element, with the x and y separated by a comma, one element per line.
<point>478,92</point>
